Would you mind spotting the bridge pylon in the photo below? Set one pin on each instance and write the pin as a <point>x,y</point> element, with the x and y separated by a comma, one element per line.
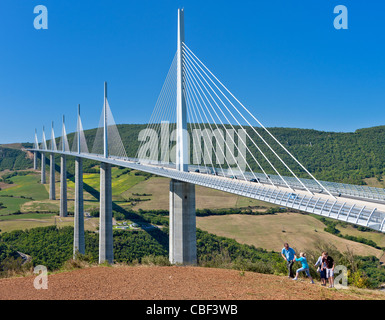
<point>35,160</point>
<point>63,176</point>
<point>44,147</point>
<point>42,179</point>
<point>79,242</point>
<point>105,215</point>
<point>52,195</point>
<point>36,146</point>
<point>182,242</point>
<point>183,249</point>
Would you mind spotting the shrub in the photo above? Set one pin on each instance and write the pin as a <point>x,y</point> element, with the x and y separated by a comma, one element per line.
<point>358,279</point>
<point>332,229</point>
<point>118,216</point>
<point>155,260</point>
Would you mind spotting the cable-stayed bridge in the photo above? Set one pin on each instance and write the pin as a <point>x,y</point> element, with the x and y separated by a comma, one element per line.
<point>231,151</point>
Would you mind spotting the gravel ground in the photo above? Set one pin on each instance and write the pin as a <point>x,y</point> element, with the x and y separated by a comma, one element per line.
<point>158,283</point>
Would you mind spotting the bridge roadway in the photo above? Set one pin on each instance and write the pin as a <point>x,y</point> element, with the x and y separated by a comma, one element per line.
<point>364,212</point>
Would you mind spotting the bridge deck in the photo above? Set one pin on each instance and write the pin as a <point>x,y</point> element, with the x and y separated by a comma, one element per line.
<point>348,208</point>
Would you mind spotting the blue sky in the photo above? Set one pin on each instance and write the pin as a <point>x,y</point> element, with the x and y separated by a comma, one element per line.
<point>283,59</point>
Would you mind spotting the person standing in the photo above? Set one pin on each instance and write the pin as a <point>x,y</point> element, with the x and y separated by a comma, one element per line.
<point>329,266</point>
<point>321,268</point>
<point>288,254</point>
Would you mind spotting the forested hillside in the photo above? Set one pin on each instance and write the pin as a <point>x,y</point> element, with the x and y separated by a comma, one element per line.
<point>341,157</point>
<point>13,159</point>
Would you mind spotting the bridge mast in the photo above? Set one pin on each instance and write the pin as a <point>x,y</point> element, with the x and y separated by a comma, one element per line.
<point>79,242</point>
<point>52,195</point>
<point>63,175</point>
<point>35,152</point>
<point>105,128</point>
<point>78,130</point>
<point>43,180</point>
<point>182,230</point>
<point>106,253</point>
<point>181,113</point>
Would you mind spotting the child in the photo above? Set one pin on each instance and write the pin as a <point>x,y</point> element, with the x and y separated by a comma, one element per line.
<point>305,267</point>
<point>321,268</point>
<point>329,266</point>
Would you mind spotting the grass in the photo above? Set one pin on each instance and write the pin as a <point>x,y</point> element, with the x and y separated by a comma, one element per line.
<point>27,186</point>
<point>71,192</point>
<point>271,231</point>
<point>12,205</point>
<point>373,182</point>
<point>206,198</point>
<point>245,202</point>
<point>33,220</point>
<point>119,184</point>
<point>377,237</point>
<point>124,182</point>
<point>26,222</point>
<point>92,179</point>
<point>27,216</point>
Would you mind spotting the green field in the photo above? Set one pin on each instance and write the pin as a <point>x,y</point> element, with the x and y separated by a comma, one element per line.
<point>27,186</point>
<point>12,205</point>
<point>27,216</point>
<point>33,220</point>
<point>377,237</point>
<point>23,186</point>
<point>157,189</point>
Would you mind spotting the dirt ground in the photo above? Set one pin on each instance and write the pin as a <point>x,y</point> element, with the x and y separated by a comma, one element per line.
<point>176,283</point>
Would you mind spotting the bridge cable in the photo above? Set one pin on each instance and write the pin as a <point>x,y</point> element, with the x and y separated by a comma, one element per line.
<point>239,138</point>
<point>194,87</point>
<point>239,152</point>
<point>268,146</point>
<point>190,51</point>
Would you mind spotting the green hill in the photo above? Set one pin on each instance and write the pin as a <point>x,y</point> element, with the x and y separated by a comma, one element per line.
<point>13,159</point>
<point>334,156</point>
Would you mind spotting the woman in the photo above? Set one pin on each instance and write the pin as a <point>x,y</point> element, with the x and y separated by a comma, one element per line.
<point>322,268</point>
<point>329,268</point>
<point>305,267</point>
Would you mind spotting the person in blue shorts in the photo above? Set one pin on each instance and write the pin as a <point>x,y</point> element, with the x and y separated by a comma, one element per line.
<point>329,269</point>
<point>322,268</point>
<point>305,266</point>
<point>288,254</point>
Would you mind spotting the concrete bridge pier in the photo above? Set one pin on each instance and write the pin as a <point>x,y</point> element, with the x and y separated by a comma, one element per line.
<point>105,229</point>
<point>63,186</point>
<point>43,181</point>
<point>35,160</point>
<point>52,195</point>
<point>79,243</point>
<point>183,249</point>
